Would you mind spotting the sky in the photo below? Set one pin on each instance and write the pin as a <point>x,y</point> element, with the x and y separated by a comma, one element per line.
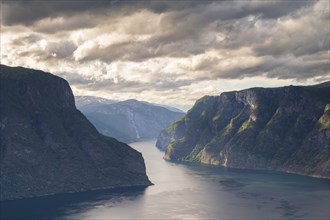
<point>169,52</point>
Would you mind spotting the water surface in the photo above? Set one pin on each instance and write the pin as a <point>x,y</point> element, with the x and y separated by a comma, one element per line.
<point>191,192</point>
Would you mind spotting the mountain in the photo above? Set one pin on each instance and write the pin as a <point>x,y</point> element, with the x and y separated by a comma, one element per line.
<point>88,101</point>
<point>47,146</point>
<point>285,129</point>
<point>173,109</point>
<point>129,120</point>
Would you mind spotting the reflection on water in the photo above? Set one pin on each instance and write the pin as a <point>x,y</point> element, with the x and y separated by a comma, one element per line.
<point>104,199</point>
<point>203,192</point>
<point>195,192</point>
<point>58,206</point>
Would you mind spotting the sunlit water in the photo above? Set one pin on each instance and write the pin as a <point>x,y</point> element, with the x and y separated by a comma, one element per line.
<point>189,192</point>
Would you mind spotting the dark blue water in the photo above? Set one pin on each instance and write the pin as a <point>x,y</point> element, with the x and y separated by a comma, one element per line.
<point>188,192</point>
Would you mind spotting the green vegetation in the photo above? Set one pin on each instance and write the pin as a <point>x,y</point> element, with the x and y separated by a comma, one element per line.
<point>284,129</point>
<point>228,129</point>
<point>325,119</point>
<point>245,125</point>
<point>215,118</point>
<point>174,125</point>
<point>196,153</point>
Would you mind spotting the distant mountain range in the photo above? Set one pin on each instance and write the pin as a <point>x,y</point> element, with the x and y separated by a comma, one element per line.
<point>47,146</point>
<point>285,129</point>
<point>85,101</point>
<point>129,120</point>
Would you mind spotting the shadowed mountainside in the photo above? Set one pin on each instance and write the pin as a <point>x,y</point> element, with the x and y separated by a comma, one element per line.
<point>48,146</point>
<point>129,120</point>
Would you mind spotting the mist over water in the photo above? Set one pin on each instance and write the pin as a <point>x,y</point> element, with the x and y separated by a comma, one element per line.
<point>188,191</point>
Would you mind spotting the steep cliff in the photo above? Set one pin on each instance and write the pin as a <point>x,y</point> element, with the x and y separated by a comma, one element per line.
<point>129,120</point>
<point>285,129</point>
<point>48,146</point>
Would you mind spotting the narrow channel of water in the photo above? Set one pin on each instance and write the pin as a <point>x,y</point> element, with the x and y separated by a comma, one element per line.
<point>193,192</point>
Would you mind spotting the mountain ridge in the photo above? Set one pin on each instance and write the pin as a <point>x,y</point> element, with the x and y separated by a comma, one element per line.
<point>129,120</point>
<point>49,147</point>
<point>258,128</point>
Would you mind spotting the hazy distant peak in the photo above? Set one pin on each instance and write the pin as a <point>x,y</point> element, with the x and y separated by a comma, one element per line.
<point>130,120</point>
<point>94,100</point>
<point>87,100</point>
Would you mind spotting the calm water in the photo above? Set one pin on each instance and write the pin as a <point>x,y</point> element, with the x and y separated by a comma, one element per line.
<point>188,192</point>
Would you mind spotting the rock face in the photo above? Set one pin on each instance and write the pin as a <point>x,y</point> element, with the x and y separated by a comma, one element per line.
<point>129,120</point>
<point>285,129</point>
<point>48,146</point>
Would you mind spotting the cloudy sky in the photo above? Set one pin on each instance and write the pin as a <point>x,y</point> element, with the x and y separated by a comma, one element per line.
<point>169,52</point>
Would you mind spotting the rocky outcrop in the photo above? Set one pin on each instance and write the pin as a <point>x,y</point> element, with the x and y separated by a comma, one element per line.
<point>48,146</point>
<point>129,120</point>
<point>285,129</point>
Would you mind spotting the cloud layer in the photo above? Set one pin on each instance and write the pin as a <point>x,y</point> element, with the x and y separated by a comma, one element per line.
<point>169,51</point>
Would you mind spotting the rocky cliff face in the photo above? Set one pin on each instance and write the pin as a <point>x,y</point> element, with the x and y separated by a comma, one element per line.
<point>285,129</point>
<point>129,120</point>
<point>48,147</point>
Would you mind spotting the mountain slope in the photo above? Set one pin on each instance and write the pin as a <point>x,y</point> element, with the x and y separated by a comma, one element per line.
<point>90,101</point>
<point>129,120</point>
<point>47,146</point>
<point>285,129</point>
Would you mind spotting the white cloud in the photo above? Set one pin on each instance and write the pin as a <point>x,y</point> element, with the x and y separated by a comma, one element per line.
<point>172,54</point>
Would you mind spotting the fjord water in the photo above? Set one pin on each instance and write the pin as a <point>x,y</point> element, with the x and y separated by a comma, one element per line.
<point>187,191</point>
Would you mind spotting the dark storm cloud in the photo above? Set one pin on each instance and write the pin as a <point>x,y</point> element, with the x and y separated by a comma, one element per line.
<point>187,32</point>
<point>27,12</point>
<point>183,29</point>
<point>287,67</point>
<point>51,26</point>
<point>276,39</point>
<point>318,40</point>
